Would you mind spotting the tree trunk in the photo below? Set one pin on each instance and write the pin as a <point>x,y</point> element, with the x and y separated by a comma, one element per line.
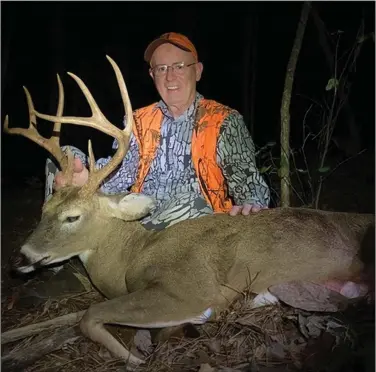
<point>285,106</point>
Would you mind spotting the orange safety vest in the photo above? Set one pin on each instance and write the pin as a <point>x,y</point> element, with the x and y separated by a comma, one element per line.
<point>209,118</point>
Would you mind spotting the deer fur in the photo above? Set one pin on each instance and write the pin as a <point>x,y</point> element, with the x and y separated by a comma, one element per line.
<point>192,270</point>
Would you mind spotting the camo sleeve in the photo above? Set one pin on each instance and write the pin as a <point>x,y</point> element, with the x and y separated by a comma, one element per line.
<point>236,157</point>
<point>124,176</point>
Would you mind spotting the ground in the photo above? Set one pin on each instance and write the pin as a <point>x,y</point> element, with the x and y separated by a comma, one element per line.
<point>266,341</point>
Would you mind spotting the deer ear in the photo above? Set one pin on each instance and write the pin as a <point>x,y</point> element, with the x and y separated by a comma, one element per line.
<point>130,206</point>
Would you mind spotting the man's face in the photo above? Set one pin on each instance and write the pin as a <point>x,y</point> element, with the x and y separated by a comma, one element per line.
<point>177,90</point>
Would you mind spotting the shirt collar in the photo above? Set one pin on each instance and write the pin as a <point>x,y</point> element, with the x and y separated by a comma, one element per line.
<point>190,112</point>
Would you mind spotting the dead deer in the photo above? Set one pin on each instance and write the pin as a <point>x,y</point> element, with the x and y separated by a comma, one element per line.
<point>189,272</point>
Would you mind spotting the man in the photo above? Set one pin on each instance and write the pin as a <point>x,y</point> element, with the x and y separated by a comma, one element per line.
<point>194,156</point>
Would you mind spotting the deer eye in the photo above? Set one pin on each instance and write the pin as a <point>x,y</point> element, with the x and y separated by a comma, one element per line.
<point>71,219</point>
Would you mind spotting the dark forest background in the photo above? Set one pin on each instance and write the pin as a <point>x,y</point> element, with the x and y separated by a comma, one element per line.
<point>244,46</point>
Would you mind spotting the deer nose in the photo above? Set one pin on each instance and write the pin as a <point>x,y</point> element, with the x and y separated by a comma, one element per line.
<point>19,260</point>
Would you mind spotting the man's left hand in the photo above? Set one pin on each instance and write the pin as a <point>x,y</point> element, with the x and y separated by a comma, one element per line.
<point>245,209</point>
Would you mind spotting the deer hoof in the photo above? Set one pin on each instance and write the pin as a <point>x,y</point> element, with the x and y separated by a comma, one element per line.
<point>133,363</point>
<point>264,299</point>
<point>353,290</point>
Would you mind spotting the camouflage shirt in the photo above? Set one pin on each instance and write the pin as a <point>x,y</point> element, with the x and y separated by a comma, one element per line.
<point>172,180</point>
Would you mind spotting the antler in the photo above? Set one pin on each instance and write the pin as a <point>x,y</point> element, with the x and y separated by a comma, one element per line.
<point>53,143</point>
<point>100,122</point>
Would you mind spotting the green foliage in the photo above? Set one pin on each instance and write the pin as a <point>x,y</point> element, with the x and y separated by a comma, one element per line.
<point>332,83</point>
<point>324,169</point>
<point>265,169</point>
<point>363,38</point>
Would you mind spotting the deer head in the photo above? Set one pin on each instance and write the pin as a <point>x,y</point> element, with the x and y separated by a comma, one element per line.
<point>70,216</point>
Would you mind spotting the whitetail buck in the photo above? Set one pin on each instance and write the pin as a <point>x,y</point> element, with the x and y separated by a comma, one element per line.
<point>188,272</point>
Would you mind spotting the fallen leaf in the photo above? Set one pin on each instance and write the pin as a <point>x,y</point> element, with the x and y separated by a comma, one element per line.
<point>142,341</point>
<point>309,296</point>
<point>214,345</point>
<point>302,323</point>
<point>84,281</point>
<point>206,368</point>
<point>105,354</point>
<point>275,351</point>
<point>314,328</point>
<point>260,352</point>
<point>46,306</point>
<point>12,301</point>
<point>247,320</point>
<point>203,357</point>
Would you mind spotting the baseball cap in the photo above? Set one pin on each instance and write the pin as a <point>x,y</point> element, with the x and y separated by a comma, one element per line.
<point>174,38</point>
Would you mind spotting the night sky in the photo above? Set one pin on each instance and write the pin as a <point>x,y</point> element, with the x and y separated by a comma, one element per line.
<point>41,39</point>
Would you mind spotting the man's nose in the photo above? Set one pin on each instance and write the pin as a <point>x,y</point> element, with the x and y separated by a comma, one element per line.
<point>170,74</point>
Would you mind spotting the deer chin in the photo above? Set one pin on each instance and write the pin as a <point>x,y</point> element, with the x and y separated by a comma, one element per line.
<point>25,269</point>
<point>28,267</point>
<point>29,259</point>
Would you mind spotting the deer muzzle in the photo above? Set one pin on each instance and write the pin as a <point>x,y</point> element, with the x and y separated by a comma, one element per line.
<point>28,260</point>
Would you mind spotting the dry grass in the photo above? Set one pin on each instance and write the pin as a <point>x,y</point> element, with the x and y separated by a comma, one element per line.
<point>243,340</point>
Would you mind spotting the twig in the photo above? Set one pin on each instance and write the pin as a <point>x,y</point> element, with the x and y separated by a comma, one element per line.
<point>343,162</point>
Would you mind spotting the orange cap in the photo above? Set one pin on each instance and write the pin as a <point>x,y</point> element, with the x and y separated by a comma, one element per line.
<point>174,38</point>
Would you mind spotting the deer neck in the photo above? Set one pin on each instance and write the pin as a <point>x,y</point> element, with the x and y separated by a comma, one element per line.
<point>109,257</point>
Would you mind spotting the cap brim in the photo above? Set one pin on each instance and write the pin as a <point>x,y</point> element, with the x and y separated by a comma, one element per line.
<point>156,43</point>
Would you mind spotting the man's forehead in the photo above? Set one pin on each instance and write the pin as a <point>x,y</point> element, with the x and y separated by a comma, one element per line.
<point>169,53</point>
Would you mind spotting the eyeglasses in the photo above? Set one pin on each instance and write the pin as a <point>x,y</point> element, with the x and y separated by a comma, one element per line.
<point>179,68</point>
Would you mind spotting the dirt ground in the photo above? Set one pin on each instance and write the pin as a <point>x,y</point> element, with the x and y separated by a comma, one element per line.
<point>350,188</point>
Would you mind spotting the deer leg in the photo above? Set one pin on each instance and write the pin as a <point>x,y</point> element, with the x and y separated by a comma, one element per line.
<point>150,308</point>
<point>348,289</point>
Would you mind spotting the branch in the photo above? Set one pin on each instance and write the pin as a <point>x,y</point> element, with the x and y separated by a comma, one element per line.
<point>33,329</point>
<point>20,358</point>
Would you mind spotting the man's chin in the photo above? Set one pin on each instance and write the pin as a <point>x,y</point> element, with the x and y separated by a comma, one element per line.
<point>174,98</point>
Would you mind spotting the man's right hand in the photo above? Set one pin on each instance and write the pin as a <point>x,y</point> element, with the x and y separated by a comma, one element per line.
<point>80,175</point>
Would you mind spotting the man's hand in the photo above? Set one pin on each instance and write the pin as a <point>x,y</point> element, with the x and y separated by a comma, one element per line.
<point>245,209</point>
<point>80,176</point>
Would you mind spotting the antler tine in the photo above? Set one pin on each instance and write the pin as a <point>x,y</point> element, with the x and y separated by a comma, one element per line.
<point>124,95</point>
<point>67,167</point>
<point>100,122</point>
<point>123,138</point>
<point>52,145</point>
<point>59,112</point>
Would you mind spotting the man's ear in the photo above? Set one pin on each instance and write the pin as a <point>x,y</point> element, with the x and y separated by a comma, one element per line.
<point>199,69</point>
<point>151,73</point>
<point>128,206</point>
